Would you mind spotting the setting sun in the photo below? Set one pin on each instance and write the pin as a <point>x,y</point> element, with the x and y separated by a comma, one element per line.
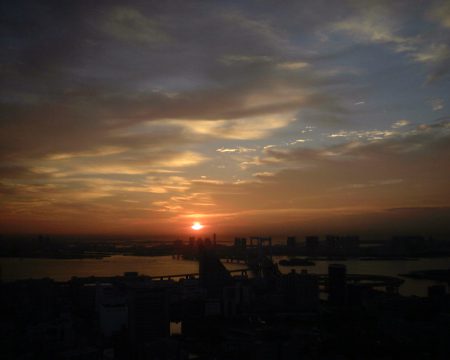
<point>197,226</point>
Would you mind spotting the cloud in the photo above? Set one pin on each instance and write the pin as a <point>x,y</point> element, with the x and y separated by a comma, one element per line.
<point>264,174</point>
<point>128,24</point>
<point>244,59</point>
<point>256,127</point>
<point>366,134</point>
<point>239,149</point>
<point>440,12</point>
<point>371,184</point>
<point>437,104</point>
<point>102,151</point>
<point>400,123</point>
<point>113,69</point>
<point>133,163</point>
<point>297,65</point>
<point>438,57</point>
<point>435,53</point>
<point>385,23</point>
<point>77,121</point>
<point>373,26</point>
<point>16,172</point>
<point>112,111</point>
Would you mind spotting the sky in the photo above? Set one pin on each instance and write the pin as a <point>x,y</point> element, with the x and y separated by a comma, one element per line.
<point>251,117</point>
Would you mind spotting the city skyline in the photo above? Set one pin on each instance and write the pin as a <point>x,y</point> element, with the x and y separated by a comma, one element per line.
<point>246,117</point>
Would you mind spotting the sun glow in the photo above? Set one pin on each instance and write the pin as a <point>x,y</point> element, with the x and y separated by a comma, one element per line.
<point>197,226</point>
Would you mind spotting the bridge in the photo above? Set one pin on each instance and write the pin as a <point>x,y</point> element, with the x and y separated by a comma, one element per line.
<point>257,256</point>
<point>369,281</point>
<point>242,272</point>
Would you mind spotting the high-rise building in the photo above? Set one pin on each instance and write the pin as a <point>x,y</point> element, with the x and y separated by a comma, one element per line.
<point>212,273</point>
<point>332,242</point>
<point>148,314</point>
<point>191,242</point>
<point>337,284</point>
<point>301,291</point>
<point>291,242</point>
<point>312,244</point>
<point>341,245</point>
<point>235,299</point>
<point>112,309</point>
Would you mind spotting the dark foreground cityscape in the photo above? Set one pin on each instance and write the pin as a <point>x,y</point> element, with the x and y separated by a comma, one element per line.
<point>255,312</point>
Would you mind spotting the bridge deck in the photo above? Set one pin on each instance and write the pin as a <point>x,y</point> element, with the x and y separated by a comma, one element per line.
<point>366,280</point>
<point>192,275</point>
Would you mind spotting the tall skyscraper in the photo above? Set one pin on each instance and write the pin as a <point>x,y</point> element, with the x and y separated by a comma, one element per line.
<point>212,274</point>
<point>301,291</point>
<point>337,287</point>
<point>148,314</point>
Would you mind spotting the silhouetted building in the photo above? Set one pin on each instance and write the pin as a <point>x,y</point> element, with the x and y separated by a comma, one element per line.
<point>212,308</point>
<point>112,310</point>
<point>191,242</point>
<point>355,295</point>
<point>337,286</point>
<point>235,299</point>
<point>291,242</point>
<point>148,314</point>
<point>332,242</point>
<point>312,244</point>
<point>342,245</point>
<point>444,335</point>
<point>190,288</point>
<point>349,242</point>
<point>84,353</point>
<point>200,242</point>
<point>127,317</point>
<point>212,273</point>
<point>301,291</point>
<point>437,295</point>
<point>240,243</point>
<point>207,242</point>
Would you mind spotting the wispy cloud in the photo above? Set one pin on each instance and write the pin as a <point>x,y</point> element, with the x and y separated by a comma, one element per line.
<point>400,123</point>
<point>128,24</point>
<point>437,104</point>
<point>382,23</point>
<point>239,149</point>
